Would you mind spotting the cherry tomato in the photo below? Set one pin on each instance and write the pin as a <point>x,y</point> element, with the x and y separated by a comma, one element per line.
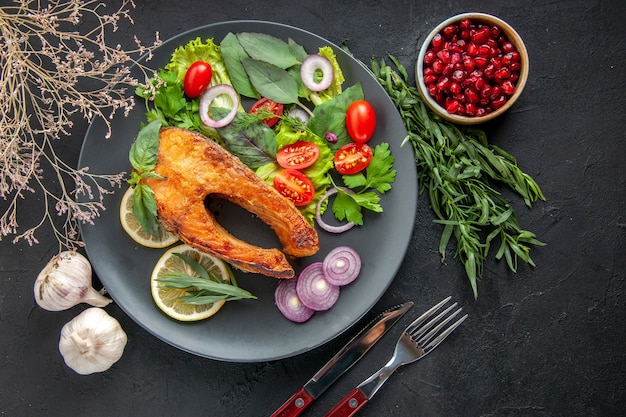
<point>360,121</point>
<point>298,155</point>
<point>266,103</point>
<point>294,185</point>
<point>352,158</point>
<point>197,78</point>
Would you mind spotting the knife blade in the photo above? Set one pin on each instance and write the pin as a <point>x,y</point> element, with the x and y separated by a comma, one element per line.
<point>342,361</point>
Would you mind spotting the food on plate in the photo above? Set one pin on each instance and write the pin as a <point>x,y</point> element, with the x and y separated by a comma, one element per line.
<point>135,230</point>
<point>352,158</point>
<point>360,121</point>
<point>189,285</point>
<point>194,167</point>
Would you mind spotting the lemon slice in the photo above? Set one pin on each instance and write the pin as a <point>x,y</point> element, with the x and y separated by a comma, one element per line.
<point>166,299</point>
<point>132,226</point>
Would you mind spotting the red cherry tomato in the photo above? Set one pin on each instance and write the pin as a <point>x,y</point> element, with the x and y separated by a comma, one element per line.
<point>294,185</point>
<point>352,158</point>
<point>197,78</point>
<point>276,108</point>
<point>298,155</point>
<point>360,121</point>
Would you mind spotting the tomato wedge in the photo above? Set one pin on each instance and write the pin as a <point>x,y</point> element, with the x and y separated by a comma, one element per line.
<point>294,185</point>
<point>197,78</point>
<point>272,106</point>
<point>298,155</point>
<point>352,158</point>
<point>360,121</point>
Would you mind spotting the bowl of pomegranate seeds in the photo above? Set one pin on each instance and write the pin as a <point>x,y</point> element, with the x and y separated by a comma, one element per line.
<point>471,68</point>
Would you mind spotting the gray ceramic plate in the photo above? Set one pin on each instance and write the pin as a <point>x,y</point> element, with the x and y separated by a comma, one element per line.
<point>253,330</point>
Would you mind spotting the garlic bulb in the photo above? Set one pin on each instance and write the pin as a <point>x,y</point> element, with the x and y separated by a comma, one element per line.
<point>92,341</point>
<point>66,281</point>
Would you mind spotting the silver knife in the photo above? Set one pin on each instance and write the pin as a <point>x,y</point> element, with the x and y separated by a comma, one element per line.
<point>342,361</point>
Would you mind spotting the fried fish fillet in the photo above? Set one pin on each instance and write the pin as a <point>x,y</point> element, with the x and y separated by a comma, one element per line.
<point>194,168</point>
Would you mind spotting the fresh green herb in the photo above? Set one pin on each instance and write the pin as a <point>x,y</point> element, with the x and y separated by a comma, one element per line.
<point>233,53</point>
<point>204,288</point>
<point>143,157</point>
<point>267,48</point>
<point>457,167</point>
<point>379,175</point>
<point>271,81</point>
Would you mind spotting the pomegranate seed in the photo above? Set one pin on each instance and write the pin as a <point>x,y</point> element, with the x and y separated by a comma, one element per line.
<point>444,55</point>
<point>495,92</point>
<point>484,50</point>
<point>484,101</point>
<point>468,63</point>
<point>438,66</point>
<point>432,90</point>
<point>495,31</point>
<point>514,77</point>
<point>485,92</point>
<point>515,56</point>
<point>507,59</point>
<point>461,44</point>
<point>430,79</point>
<point>508,88</point>
<point>429,57</point>
<point>458,75</point>
<point>465,24</point>
<point>429,71</point>
<point>481,62</point>
<point>452,106</point>
<point>479,84</point>
<point>449,31</point>
<point>472,49</point>
<point>448,69</point>
<point>480,112</point>
<point>471,96</point>
<point>459,66</point>
<point>455,87</point>
<point>492,42</point>
<point>455,58</point>
<point>489,70</point>
<point>498,102</point>
<point>481,35</point>
<point>443,83</point>
<point>502,74</point>
<point>508,47</point>
<point>437,41</point>
<point>470,109</point>
<point>465,34</point>
<point>516,66</point>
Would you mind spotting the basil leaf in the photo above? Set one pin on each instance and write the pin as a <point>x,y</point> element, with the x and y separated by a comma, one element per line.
<point>144,208</point>
<point>143,153</point>
<point>232,54</point>
<point>267,48</point>
<point>271,81</point>
<point>330,116</point>
<point>297,50</point>
<point>248,139</point>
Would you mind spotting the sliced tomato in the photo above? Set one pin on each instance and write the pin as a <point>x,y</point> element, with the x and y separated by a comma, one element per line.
<point>360,121</point>
<point>352,158</point>
<point>294,185</point>
<point>197,78</point>
<point>298,155</point>
<point>272,106</point>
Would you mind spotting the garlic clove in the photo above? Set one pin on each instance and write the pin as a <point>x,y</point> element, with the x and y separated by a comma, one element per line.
<point>92,341</point>
<point>66,281</point>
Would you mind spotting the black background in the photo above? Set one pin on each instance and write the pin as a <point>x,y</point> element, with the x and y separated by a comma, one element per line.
<point>545,341</point>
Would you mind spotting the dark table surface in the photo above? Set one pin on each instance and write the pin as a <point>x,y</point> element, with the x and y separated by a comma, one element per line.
<point>544,341</point>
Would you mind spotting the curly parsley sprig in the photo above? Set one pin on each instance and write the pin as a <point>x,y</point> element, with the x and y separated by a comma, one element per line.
<point>457,167</point>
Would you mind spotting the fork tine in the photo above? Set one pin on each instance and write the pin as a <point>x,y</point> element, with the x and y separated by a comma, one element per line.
<point>424,336</point>
<point>418,321</point>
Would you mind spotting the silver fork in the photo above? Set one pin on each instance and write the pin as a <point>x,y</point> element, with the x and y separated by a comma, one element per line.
<point>417,341</point>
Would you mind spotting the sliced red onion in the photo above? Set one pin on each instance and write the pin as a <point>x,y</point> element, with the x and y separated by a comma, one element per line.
<point>207,98</point>
<point>318,214</point>
<point>307,72</point>
<point>342,265</point>
<point>289,303</point>
<point>300,114</point>
<point>313,289</point>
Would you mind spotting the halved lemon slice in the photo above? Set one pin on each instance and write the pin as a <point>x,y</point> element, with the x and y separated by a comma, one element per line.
<point>167,299</point>
<point>132,226</point>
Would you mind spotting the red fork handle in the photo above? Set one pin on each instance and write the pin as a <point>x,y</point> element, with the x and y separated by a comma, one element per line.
<point>350,404</point>
<point>294,405</point>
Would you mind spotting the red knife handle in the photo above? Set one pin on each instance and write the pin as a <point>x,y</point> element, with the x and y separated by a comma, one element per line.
<point>350,404</point>
<point>294,405</point>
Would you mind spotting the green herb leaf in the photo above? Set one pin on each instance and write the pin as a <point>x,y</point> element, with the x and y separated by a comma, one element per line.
<point>271,81</point>
<point>248,139</point>
<point>144,151</point>
<point>144,208</point>
<point>233,53</point>
<point>379,174</point>
<point>268,49</point>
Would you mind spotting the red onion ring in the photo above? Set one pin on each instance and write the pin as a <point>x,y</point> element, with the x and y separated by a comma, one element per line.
<point>289,303</point>
<point>314,290</point>
<point>318,214</point>
<point>307,72</point>
<point>207,98</point>
<point>342,265</point>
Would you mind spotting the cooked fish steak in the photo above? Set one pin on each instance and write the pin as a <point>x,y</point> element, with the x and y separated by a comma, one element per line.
<point>195,167</point>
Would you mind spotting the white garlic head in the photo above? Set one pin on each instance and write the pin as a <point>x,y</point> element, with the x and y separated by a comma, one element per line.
<point>66,281</point>
<point>92,341</point>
